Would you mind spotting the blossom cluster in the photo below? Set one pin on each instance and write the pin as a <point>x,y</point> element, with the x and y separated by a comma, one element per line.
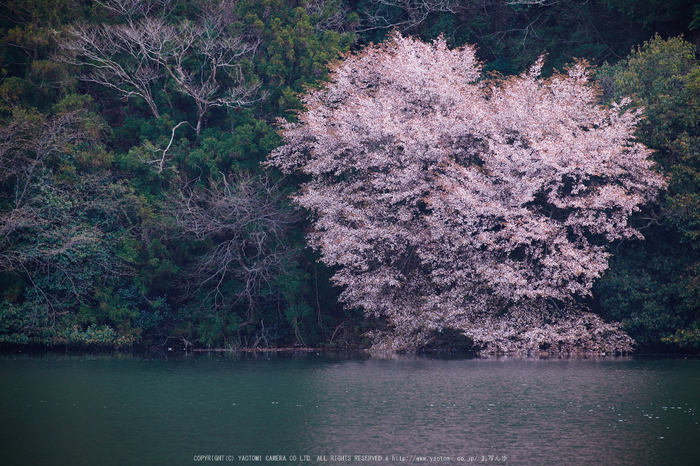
<point>451,201</point>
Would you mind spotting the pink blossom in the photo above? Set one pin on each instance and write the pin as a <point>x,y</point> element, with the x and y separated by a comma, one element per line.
<point>449,201</point>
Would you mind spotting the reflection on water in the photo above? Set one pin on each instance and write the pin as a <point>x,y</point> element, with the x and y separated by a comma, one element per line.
<point>124,409</point>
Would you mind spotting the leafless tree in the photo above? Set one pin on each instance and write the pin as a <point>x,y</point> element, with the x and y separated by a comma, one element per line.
<point>121,57</point>
<point>134,58</point>
<point>413,13</point>
<point>25,145</point>
<point>331,14</point>
<point>242,215</point>
<point>217,54</point>
<point>133,9</point>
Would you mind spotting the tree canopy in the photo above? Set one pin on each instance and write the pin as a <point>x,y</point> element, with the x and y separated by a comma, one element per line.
<point>134,209</point>
<point>453,202</point>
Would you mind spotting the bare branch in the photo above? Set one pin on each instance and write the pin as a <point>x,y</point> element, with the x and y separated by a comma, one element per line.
<point>329,14</point>
<point>122,57</point>
<point>44,229</point>
<point>134,9</point>
<point>161,161</point>
<point>243,216</point>
<point>132,58</point>
<point>414,12</point>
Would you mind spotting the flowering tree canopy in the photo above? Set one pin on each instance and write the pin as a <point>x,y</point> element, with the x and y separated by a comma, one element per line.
<point>449,201</point>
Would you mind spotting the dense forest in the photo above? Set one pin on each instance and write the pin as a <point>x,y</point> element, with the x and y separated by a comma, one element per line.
<point>136,209</point>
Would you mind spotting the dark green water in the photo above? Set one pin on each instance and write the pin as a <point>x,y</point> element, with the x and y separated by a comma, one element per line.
<point>128,410</point>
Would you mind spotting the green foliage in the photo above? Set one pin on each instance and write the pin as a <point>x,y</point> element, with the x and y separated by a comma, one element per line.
<point>669,16</point>
<point>104,251</point>
<point>512,35</point>
<point>241,149</point>
<point>91,253</point>
<point>642,290</point>
<point>653,288</point>
<point>686,337</point>
<point>26,44</point>
<point>60,211</point>
<point>294,50</point>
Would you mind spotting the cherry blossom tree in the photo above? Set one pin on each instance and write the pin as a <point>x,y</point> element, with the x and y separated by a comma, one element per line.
<point>452,202</point>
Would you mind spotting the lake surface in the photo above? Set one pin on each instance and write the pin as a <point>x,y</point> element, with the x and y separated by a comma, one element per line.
<point>59,409</point>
